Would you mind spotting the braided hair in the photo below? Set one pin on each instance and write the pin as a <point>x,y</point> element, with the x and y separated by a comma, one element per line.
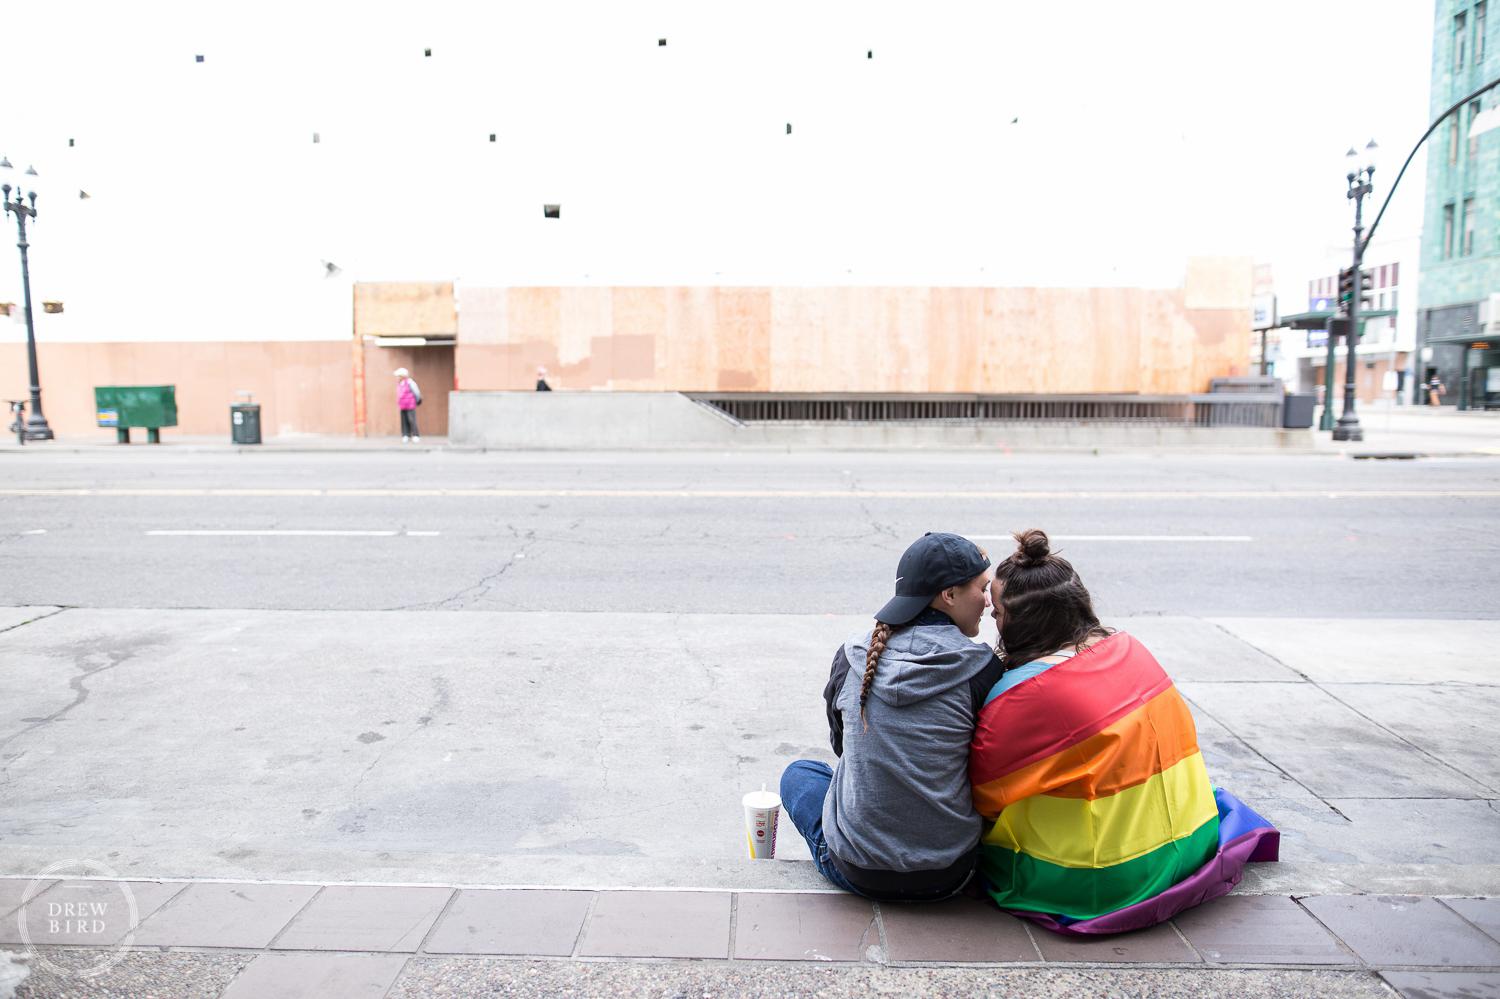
<point>878,639</point>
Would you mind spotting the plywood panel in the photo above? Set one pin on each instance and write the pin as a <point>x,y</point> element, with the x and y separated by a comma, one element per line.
<point>535,314</point>
<point>408,308</point>
<point>484,315</point>
<point>868,339</point>
<point>1167,347</point>
<point>742,317</point>
<point>689,351</point>
<point>583,316</point>
<point>955,338</point>
<point>798,316</point>
<point>308,380</point>
<point>1111,347</point>
<point>639,311</point>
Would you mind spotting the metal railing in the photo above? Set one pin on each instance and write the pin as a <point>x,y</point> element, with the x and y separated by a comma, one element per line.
<point>1222,409</point>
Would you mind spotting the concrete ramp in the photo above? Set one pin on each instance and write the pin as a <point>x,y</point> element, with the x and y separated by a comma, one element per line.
<point>549,420</point>
<point>584,420</point>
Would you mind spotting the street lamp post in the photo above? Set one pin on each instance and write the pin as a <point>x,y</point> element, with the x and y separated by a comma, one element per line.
<point>36,423</point>
<point>1359,177</point>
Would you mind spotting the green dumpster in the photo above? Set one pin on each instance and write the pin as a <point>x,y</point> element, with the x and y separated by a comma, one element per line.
<point>126,406</point>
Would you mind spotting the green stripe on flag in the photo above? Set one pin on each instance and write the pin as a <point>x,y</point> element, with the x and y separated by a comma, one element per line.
<point>1019,881</point>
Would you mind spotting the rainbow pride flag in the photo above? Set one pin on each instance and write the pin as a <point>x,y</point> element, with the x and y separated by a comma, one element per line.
<point>1103,817</point>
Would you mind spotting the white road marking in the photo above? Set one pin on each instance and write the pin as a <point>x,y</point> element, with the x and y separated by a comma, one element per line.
<point>294,534</point>
<point>1121,537</point>
<point>39,530</point>
<point>788,493</point>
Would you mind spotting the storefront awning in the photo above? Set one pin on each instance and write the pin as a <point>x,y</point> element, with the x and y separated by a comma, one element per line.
<point>1319,320</point>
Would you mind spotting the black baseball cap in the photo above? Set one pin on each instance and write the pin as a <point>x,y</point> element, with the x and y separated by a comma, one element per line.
<point>933,563</point>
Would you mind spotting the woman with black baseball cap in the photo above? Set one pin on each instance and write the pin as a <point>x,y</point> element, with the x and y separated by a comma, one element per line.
<point>895,820</point>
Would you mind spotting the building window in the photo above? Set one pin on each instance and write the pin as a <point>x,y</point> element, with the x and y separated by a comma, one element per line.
<point>1382,301</point>
<point>1394,306</point>
<point>1473,142</point>
<point>1479,13</point>
<point>1459,36</point>
<point>1447,232</point>
<point>1395,275</point>
<point>1454,130</point>
<point>1468,226</point>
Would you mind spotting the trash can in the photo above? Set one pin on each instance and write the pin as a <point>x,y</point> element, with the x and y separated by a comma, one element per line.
<point>244,423</point>
<point>126,406</point>
<point>1297,410</point>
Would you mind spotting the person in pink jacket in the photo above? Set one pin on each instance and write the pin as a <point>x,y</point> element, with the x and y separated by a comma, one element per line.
<point>408,398</point>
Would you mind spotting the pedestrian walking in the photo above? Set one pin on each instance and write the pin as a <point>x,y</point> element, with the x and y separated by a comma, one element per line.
<point>408,398</point>
<point>1436,389</point>
<point>541,380</point>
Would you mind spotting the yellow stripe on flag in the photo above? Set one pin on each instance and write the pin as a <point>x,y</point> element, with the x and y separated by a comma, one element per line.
<point>1077,832</point>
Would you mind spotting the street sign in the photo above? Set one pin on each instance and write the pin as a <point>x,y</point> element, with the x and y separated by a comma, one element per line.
<point>1322,303</point>
<point>1263,312</point>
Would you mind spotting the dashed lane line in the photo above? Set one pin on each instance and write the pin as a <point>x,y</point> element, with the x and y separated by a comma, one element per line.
<point>845,494</point>
<point>294,534</point>
<point>1121,537</point>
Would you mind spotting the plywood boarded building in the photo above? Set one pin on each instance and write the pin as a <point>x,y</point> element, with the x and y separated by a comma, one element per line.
<point>860,339</point>
<point>732,338</point>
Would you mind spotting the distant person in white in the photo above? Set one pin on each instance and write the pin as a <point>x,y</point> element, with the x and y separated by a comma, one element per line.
<point>408,398</point>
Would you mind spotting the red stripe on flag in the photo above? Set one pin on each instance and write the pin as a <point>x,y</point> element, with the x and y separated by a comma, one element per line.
<point>1064,706</point>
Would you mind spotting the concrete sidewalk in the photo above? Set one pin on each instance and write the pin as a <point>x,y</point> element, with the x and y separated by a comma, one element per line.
<point>334,792</point>
<point>1404,430</point>
<point>245,940</point>
<point>1415,431</point>
<point>606,749</point>
<point>105,442</point>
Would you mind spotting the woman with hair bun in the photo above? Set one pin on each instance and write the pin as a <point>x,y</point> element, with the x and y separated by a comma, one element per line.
<point>1085,764</point>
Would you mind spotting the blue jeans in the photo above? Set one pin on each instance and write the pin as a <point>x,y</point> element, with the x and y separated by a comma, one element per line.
<point>804,785</point>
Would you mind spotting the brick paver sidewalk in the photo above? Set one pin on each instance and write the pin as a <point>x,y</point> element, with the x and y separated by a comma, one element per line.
<point>250,939</point>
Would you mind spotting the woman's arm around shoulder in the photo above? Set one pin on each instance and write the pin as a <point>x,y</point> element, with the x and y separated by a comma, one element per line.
<point>836,675</point>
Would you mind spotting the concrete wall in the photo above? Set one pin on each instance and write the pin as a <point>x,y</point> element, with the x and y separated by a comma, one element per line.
<point>301,386</point>
<point>521,420</point>
<point>861,339</point>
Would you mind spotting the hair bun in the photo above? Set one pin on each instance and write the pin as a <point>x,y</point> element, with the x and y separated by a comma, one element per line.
<point>1032,547</point>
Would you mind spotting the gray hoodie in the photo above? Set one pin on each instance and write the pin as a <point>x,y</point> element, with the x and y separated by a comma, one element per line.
<point>900,797</point>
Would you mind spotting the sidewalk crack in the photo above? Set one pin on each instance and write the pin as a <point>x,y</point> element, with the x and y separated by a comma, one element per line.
<point>117,653</point>
<point>1279,769</point>
<point>32,620</point>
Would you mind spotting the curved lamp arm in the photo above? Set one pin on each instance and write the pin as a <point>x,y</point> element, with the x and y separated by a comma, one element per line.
<point>1430,129</point>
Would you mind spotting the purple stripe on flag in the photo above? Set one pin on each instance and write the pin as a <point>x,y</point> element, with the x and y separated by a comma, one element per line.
<point>1244,837</point>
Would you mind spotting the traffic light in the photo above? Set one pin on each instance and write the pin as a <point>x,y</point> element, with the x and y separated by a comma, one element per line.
<point>1346,288</point>
<point>1366,289</point>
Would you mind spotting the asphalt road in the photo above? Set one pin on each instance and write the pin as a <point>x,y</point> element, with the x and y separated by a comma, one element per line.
<point>747,532</point>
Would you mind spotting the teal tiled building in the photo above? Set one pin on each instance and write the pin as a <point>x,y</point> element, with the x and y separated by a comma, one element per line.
<point>1458,319</point>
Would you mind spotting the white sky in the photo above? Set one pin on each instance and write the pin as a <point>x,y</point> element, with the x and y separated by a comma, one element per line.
<point>1148,131</point>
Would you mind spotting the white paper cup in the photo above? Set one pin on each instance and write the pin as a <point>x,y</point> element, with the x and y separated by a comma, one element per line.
<point>762,809</point>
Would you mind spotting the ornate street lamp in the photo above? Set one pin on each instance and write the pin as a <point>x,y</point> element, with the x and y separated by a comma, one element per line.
<point>23,208</point>
<point>1360,174</point>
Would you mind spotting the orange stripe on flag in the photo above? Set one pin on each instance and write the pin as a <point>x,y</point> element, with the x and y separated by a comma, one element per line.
<point>1152,738</point>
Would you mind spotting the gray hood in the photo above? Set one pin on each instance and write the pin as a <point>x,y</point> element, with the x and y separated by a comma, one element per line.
<point>899,800</point>
<point>919,662</point>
